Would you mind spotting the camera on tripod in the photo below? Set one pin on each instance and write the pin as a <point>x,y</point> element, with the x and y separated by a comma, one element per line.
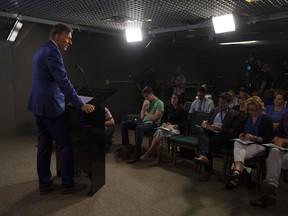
<point>252,65</point>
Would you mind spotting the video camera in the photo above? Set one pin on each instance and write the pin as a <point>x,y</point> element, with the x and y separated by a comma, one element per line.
<point>252,65</point>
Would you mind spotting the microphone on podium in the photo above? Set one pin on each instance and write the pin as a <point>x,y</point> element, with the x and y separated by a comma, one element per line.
<point>84,75</point>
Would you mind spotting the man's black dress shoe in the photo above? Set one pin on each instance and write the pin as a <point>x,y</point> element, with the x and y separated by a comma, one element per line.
<point>52,187</point>
<point>75,188</point>
<point>263,201</point>
<point>133,159</point>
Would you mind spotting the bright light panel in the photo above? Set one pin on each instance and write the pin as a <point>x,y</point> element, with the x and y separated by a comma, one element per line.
<point>14,31</point>
<point>133,35</point>
<point>238,42</point>
<point>223,23</point>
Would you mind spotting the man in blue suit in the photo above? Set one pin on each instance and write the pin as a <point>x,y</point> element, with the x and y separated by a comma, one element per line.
<point>50,92</point>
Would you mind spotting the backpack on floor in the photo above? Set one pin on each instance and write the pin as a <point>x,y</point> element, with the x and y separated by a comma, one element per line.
<point>125,152</point>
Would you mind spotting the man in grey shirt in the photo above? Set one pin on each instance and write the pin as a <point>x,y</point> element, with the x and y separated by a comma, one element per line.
<point>201,103</point>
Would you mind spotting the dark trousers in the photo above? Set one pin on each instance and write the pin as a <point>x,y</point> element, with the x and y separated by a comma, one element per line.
<point>49,130</point>
<point>109,131</point>
<point>140,130</point>
<point>210,142</point>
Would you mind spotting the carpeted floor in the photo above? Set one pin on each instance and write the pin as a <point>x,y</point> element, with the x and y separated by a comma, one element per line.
<point>130,189</point>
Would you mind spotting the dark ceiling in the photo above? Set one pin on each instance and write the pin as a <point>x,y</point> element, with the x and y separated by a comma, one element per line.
<point>183,21</point>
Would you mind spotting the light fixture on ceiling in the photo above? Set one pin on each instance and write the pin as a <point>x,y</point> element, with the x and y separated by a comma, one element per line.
<point>147,20</point>
<point>118,19</point>
<point>239,43</point>
<point>133,35</point>
<point>14,31</point>
<point>223,23</point>
<point>250,1</point>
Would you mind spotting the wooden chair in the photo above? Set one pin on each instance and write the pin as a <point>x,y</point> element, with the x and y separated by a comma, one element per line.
<point>188,142</point>
<point>285,175</point>
<point>227,156</point>
<point>258,163</point>
<point>186,107</point>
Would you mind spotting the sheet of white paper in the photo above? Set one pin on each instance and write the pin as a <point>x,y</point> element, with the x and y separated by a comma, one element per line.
<point>85,99</point>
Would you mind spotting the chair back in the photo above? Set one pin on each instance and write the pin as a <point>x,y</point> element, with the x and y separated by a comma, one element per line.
<point>196,119</point>
<point>187,105</point>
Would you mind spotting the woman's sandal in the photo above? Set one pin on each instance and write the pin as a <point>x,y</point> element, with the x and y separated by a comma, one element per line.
<point>236,174</point>
<point>234,180</point>
<point>156,162</point>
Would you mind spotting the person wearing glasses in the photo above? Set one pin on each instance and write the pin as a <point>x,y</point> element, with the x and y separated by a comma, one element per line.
<point>257,129</point>
<point>201,103</point>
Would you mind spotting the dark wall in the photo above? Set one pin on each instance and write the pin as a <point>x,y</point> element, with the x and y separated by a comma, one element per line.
<point>112,58</point>
<point>7,108</point>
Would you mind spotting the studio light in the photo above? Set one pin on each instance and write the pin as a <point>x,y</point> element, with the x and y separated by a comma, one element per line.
<point>238,43</point>
<point>14,31</point>
<point>223,23</point>
<point>133,35</point>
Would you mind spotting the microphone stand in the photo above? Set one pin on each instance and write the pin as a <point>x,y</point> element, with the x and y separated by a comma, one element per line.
<point>84,75</point>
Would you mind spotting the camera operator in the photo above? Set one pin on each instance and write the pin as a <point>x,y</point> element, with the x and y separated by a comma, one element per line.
<point>253,73</point>
<point>265,90</point>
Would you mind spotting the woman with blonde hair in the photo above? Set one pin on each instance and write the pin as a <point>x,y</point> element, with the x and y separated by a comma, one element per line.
<point>257,129</point>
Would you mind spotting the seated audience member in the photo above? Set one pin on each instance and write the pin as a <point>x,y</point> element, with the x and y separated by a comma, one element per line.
<point>277,111</point>
<point>225,122</point>
<point>109,127</point>
<point>234,98</point>
<point>173,120</point>
<point>277,160</point>
<point>258,129</point>
<point>207,95</point>
<point>241,102</point>
<point>242,90</point>
<point>201,103</point>
<point>151,113</point>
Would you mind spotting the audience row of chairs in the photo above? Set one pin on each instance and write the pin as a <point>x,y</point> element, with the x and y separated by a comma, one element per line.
<point>190,141</point>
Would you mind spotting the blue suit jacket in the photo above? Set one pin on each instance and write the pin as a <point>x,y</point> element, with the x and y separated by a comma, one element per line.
<point>51,89</point>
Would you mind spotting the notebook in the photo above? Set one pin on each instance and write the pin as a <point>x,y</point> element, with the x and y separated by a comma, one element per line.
<point>272,145</point>
<point>163,128</point>
<point>244,141</point>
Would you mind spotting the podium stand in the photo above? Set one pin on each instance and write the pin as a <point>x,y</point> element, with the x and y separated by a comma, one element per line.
<point>88,138</point>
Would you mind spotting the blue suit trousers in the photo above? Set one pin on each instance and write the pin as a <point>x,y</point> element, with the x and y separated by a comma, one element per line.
<point>57,130</point>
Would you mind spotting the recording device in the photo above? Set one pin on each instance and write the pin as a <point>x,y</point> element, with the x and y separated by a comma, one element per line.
<point>252,65</point>
<point>84,75</point>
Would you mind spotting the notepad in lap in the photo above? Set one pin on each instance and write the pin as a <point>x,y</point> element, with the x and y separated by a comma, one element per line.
<point>244,141</point>
<point>163,128</point>
<point>272,145</point>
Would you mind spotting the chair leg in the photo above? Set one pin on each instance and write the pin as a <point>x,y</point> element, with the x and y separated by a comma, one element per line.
<point>172,153</point>
<point>230,161</point>
<point>261,175</point>
<point>258,177</point>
